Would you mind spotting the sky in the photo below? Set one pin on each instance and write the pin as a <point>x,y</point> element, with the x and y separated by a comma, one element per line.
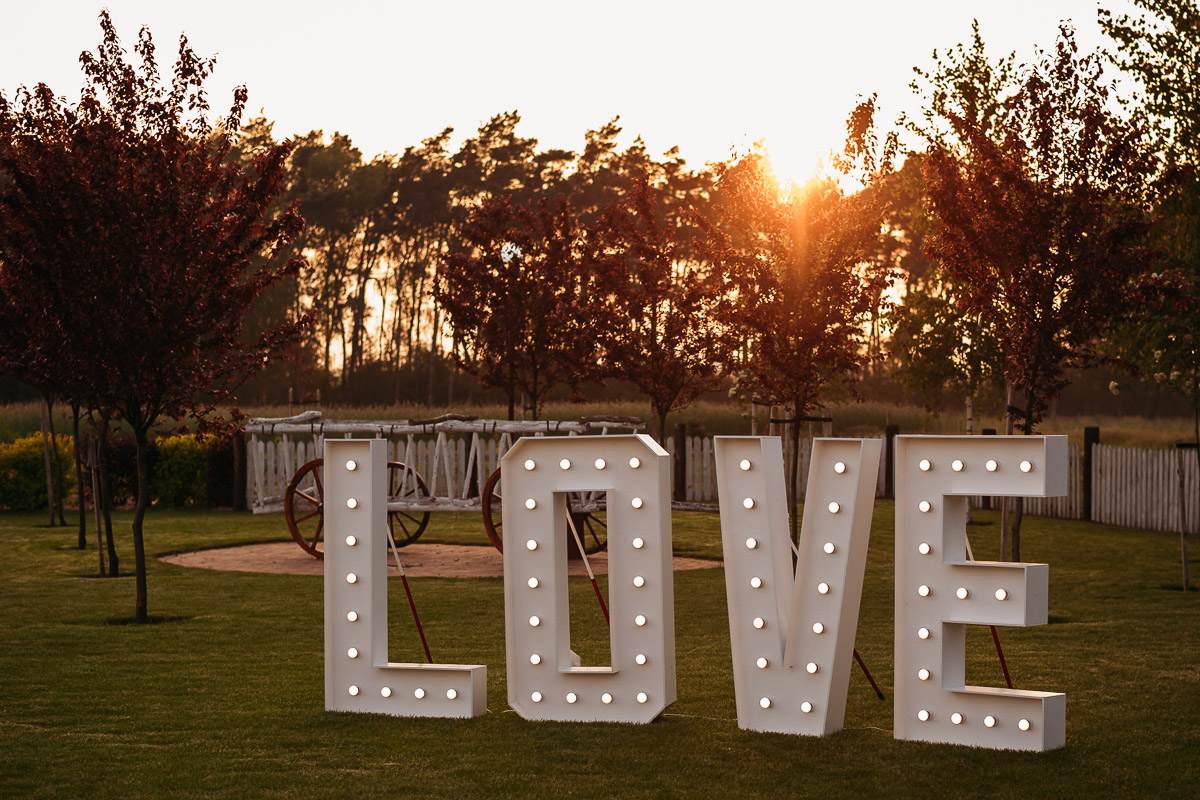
<point>710,78</point>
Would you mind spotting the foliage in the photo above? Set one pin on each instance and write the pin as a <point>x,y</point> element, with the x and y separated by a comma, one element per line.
<point>1044,232</point>
<point>131,246</point>
<point>181,471</point>
<point>659,312</point>
<point>23,472</point>
<point>523,299</point>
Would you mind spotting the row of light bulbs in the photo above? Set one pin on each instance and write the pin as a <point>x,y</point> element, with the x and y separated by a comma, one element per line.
<point>419,693</point>
<point>991,465</point>
<point>989,721</point>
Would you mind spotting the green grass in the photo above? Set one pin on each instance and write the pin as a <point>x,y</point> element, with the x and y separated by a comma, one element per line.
<point>224,697</point>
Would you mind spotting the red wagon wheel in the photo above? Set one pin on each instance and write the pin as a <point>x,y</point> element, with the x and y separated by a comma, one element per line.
<point>592,527</point>
<point>304,505</point>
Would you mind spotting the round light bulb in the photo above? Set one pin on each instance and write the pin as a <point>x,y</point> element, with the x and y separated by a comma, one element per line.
<point>748,502</point>
<point>531,544</point>
<point>962,593</point>
<point>531,504</point>
<point>352,503</point>
<point>535,659</point>
<point>352,616</point>
<point>957,465</point>
<point>991,465</point>
<point>351,578</point>
<point>923,715</point>
<point>829,548</point>
<point>636,502</point>
<point>534,621</point>
<point>1026,466</point>
<point>989,721</point>
<point>564,464</point>
<point>756,582</point>
<point>639,581</point>
<point>352,465</point>
<point>834,508</point>
<point>536,697</point>
<point>640,659</point>
<point>822,588</point>
<point>351,540</point>
<point>1023,724</point>
<point>606,698</point>
<point>640,620</point>
<point>419,693</point>
<point>923,590</point>
<point>530,464</point>
<point>923,674</point>
<point>925,506</point>
<point>751,543</point>
<point>924,549</point>
<point>956,718</point>
<point>386,691</point>
<point>600,464</point>
<point>761,663</point>
<point>642,697</point>
<point>533,583</point>
<point>352,652</point>
<point>759,623</point>
<point>635,462</point>
<point>923,633</point>
<point>638,543</point>
<point>818,628</point>
<point>839,467</point>
<point>1001,594</point>
<point>811,667</point>
<point>925,465</point>
<point>806,707</point>
<point>353,690</point>
<point>745,464</point>
<point>451,694</point>
<point>765,702</point>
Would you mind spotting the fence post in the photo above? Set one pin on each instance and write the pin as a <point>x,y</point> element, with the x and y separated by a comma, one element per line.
<point>1183,527</point>
<point>890,433</point>
<point>680,490</point>
<point>1091,438</point>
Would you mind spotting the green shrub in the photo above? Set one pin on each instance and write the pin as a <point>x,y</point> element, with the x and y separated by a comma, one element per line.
<point>23,472</point>
<point>180,475</point>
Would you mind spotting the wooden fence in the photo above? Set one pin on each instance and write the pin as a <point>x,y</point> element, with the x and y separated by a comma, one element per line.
<point>1134,487</point>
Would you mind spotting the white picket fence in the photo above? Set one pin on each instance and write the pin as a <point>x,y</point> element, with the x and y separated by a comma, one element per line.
<point>1133,487</point>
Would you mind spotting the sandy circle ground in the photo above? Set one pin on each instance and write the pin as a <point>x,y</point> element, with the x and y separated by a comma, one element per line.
<point>419,560</point>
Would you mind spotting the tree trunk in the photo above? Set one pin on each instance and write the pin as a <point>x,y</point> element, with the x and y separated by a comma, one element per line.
<point>46,445</point>
<point>1005,502</point>
<point>114,561</point>
<point>94,470</point>
<point>139,515</point>
<point>794,479</point>
<point>79,476</point>
<point>58,468</point>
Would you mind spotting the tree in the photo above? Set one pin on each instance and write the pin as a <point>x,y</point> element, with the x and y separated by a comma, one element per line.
<point>521,297</point>
<point>1045,231</point>
<point>661,333</point>
<point>798,283</point>
<point>127,223</point>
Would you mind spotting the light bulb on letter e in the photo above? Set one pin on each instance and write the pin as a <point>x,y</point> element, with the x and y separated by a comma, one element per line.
<point>634,473</point>
<point>356,611</point>
<point>946,709</point>
<point>778,650</point>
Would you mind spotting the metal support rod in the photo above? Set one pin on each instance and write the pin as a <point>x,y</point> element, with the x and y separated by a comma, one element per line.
<point>995,633</point>
<point>588,567</point>
<point>411,603</point>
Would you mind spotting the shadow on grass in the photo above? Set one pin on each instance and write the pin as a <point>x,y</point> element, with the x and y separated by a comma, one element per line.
<point>155,619</point>
<point>1177,587</point>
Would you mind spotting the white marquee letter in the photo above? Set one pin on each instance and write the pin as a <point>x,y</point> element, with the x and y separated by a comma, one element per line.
<point>635,473</point>
<point>793,637</point>
<point>358,676</point>
<point>939,593</point>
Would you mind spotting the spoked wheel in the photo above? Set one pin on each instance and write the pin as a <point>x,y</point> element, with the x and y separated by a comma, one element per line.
<point>304,505</point>
<point>592,526</point>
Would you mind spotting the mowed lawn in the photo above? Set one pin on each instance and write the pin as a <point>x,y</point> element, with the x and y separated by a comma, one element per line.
<point>223,696</point>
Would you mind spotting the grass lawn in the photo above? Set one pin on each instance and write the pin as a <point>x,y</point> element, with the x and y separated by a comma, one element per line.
<point>223,697</point>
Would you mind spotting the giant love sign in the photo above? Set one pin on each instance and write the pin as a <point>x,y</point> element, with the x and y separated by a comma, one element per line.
<point>791,632</point>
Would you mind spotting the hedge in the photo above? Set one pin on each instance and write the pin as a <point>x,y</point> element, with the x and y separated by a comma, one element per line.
<point>23,471</point>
